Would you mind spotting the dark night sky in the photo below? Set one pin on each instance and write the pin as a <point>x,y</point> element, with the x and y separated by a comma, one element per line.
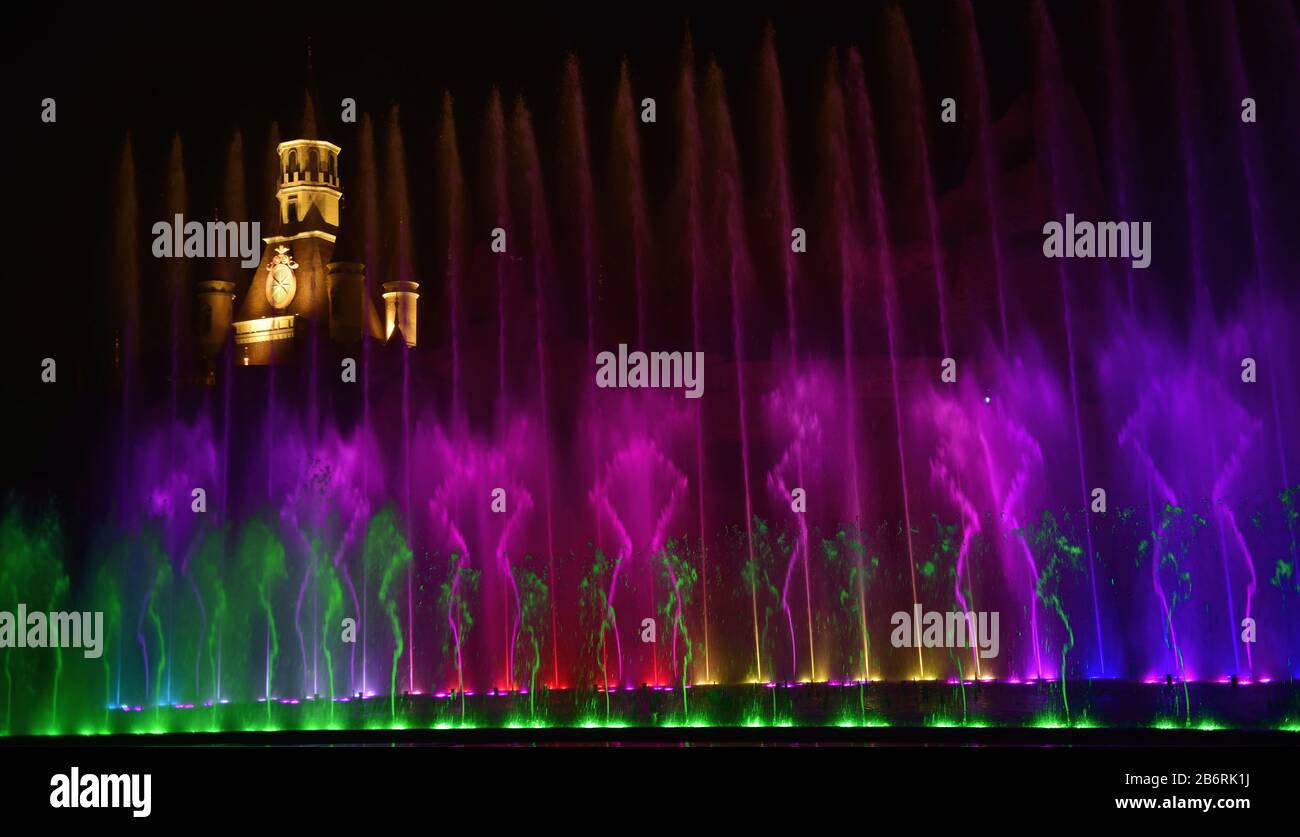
<point>205,70</point>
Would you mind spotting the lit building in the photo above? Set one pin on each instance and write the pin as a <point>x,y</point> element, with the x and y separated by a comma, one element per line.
<point>312,274</point>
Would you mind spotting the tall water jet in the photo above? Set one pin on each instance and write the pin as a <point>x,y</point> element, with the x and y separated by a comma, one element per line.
<point>495,173</point>
<point>400,267</point>
<point>176,274</point>
<point>583,243</point>
<point>914,97</point>
<point>1185,83</point>
<point>126,276</point>
<point>843,221</point>
<point>1121,144</point>
<point>315,330</point>
<point>1255,175</point>
<point>542,262</point>
<point>986,156</point>
<point>690,216</point>
<point>629,197</point>
<point>452,241</point>
<point>367,191</point>
<point>778,203</point>
<point>577,171</point>
<point>271,226</point>
<point>234,205</point>
<point>1049,91</point>
<point>126,280</point>
<point>633,225</point>
<point>126,267</point>
<point>727,207</point>
<point>1122,130</point>
<point>500,216</point>
<point>862,122</point>
<point>177,282</point>
<point>216,293</point>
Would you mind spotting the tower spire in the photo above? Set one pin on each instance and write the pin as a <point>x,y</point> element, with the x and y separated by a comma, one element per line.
<point>308,129</point>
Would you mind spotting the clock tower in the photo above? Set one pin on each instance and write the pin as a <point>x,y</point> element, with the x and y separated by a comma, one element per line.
<point>311,279</point>
<point>289,289</point>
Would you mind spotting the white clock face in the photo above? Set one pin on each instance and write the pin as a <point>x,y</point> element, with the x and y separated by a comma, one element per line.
<point>280,286</point>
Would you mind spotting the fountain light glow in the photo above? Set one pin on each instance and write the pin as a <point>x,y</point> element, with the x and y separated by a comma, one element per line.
<point>906,406</point>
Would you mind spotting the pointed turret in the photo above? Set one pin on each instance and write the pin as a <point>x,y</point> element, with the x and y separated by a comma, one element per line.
<point>307,128</point>
<point>291,286</point>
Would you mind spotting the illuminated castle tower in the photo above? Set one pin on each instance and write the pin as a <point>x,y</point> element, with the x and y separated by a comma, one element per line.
<point>301,280</point>
<point>216,310</point>
<point>399,310</point>
<point>351,310</point>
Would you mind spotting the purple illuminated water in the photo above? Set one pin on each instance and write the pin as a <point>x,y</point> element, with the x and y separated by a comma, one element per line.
<point>490,518</point>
